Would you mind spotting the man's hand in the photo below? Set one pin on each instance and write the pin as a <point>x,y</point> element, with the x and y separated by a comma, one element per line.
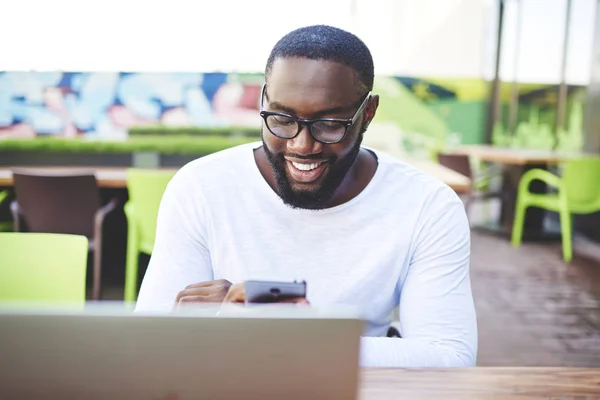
<point>237,294</point>
<point>204,292</point>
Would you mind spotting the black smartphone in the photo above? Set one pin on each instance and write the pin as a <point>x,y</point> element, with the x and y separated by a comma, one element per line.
<point>273,292</point>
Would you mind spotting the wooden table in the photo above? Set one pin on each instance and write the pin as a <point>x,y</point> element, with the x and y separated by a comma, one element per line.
<point>115,177</point>
<point>480,383</point>
<point>515,162</point>
<point>107,177</point>
<point>504,155</point>
<point>457,181</point>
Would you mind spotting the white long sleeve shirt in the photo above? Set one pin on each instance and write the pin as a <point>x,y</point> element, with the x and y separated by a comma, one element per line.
<point>403,241</point>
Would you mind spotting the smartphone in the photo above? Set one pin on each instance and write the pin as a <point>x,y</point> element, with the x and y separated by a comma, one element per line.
<point>273,292</point>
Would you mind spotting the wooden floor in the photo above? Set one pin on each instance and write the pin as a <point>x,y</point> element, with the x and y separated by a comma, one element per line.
<point>481,383</point>
<point>532,308</point>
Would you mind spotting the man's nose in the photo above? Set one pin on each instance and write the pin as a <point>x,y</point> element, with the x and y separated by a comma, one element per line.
<point>304,143</point>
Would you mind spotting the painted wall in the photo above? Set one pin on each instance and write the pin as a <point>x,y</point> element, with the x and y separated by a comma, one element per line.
<point>107,104</point>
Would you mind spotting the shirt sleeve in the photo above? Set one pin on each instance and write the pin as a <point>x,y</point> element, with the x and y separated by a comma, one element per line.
<point>180,256</point>
<point>437,314</point>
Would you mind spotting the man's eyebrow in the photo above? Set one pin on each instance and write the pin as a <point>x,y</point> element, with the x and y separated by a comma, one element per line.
<point>288,110</point>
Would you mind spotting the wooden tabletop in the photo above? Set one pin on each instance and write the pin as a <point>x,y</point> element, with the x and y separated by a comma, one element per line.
<point>480,383</point>
<point>457,181</point>
<point>116,177</point>
<point>107,177</point>
<point>505,155</point>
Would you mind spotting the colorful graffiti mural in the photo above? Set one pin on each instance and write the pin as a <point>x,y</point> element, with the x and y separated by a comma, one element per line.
<point>106,104</point>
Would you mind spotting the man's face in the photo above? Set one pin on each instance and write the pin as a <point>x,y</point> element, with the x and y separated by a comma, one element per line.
<point>307,172</point>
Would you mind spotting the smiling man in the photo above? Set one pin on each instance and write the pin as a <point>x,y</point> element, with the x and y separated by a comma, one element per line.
<point>310,203</point>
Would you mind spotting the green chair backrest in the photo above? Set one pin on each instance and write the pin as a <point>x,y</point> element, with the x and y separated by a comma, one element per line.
<point>581,178</point>
<point>43,267</point>
<point>146,187</point>
<point>5,226</point>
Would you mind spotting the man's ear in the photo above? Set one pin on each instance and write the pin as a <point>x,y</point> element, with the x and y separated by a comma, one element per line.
<point>370,110</point>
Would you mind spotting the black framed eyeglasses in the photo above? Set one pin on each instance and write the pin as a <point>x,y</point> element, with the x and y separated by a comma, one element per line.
<point>324,130</point>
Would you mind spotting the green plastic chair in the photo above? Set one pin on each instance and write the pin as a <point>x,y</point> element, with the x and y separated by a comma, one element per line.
<point>42,267</point>
<point>578,193</point>
<point>145,188</point>
<point>5,226</point>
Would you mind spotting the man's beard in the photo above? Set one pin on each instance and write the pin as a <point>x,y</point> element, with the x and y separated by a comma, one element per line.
<point>322,196</point>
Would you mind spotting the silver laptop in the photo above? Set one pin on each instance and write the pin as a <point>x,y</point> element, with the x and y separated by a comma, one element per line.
<point>262,352</point>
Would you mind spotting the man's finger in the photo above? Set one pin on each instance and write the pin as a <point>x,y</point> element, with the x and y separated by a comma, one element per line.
<point>236,294</point>
<point>199,299</point>
<point>192,292</point>
<point>217,283</point>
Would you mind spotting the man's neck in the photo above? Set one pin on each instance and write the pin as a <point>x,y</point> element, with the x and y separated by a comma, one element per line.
<point>357,179</point>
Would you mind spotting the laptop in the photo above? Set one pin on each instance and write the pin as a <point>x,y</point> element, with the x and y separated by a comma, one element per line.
<point>257,352</point>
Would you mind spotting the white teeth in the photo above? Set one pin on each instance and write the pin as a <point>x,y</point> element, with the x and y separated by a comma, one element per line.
<point>306,167</point>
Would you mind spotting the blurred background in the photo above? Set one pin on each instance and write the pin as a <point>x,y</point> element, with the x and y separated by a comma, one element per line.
<point>476,92</point>
<point>100,69</point>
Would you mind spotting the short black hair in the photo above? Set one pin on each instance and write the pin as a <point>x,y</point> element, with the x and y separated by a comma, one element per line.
<point>323,42</point>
